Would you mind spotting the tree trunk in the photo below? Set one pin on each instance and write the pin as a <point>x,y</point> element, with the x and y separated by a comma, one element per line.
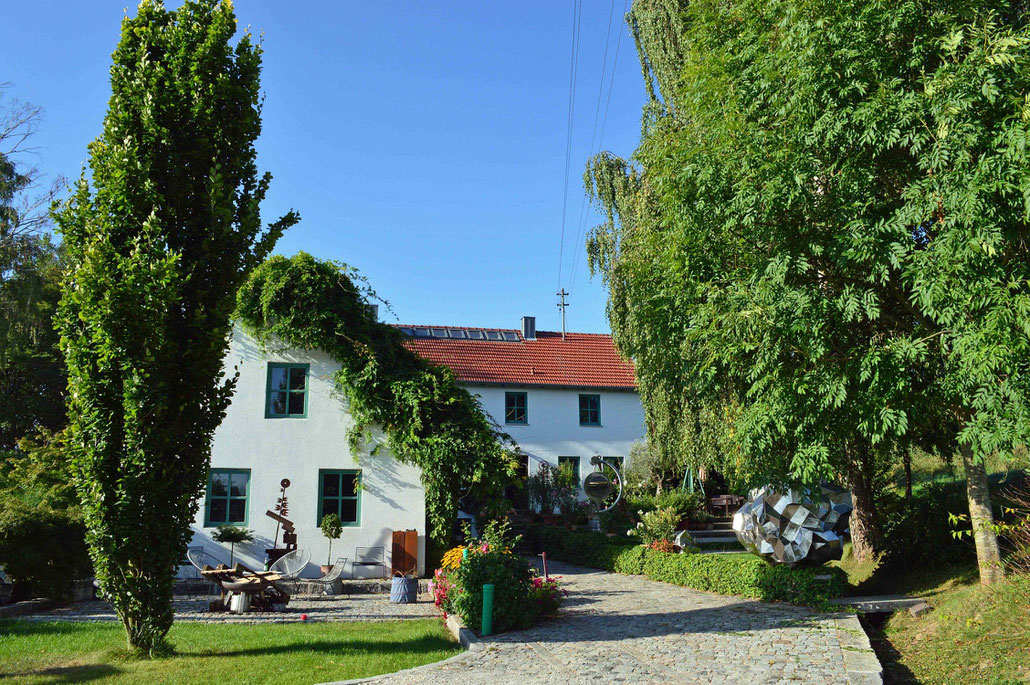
<point>908,474</point>
<point>864,523</point>
<point>988,555</point>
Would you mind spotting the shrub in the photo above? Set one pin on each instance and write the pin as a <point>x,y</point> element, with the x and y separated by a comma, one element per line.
<point>332,529</point>
<point>42,549</point>
<point>547,595</point>
<point>659,524</point>
<point>520,598</point>
<point>916,531</point>
<point>725,574</point>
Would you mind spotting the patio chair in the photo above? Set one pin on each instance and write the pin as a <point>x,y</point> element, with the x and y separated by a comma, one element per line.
<point>291,564</point>
<point>329,579</point>
<point>369,556</point>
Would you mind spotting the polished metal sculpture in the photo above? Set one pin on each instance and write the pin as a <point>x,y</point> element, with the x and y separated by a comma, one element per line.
<point>795,527</point>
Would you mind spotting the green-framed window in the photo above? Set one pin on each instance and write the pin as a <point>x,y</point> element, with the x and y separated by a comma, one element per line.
<point>574,462</point>
<point>590,410</point>
<point>339,492</point>
<point>286,392</point>
<point>226,500</point>
<point>516,407</point>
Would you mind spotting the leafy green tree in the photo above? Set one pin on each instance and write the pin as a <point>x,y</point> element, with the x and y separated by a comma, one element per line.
<point>827,214</point>
<point>158,244</point>
<point>232,535</point>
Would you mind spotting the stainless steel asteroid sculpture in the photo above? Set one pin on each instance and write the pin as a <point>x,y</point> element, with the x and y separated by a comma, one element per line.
<point>794,527</point>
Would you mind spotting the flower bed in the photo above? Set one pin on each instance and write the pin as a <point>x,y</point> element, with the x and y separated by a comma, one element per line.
<point>521,597</point>
<point>725,574</point>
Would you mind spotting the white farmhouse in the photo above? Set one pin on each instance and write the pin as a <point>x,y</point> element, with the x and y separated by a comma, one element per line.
<point>560,398</point>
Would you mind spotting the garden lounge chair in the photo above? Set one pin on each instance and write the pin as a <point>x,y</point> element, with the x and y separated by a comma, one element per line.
<point>291,564</point>
<point>335,574</point>
<point>369,556</point>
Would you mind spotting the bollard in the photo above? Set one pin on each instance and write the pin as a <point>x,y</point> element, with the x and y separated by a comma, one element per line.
<point>488,609</point>
<point>543,555</point>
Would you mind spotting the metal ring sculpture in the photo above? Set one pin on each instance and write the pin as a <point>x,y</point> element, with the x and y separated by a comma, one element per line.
<point>598,487</point>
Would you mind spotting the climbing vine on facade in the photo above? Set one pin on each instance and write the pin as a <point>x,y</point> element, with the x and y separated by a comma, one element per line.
<point>396,398</point>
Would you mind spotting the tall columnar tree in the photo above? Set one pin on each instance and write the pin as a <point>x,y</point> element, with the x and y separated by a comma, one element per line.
<point>158,244</point>
<point>828,212</point>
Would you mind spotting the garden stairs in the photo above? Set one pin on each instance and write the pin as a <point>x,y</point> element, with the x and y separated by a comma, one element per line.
<point>719,538</point>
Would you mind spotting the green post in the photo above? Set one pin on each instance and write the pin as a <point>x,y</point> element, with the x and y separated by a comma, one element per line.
<point>488,609</point>
<point>465,554</point>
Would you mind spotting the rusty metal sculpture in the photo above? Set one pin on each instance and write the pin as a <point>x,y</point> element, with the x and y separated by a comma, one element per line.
<point>795,527</point>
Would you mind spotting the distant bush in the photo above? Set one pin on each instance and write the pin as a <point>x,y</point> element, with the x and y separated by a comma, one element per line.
<point>916,531</point>
<point>730,575</point>
<point>42,549</point>
<point>689,506</point>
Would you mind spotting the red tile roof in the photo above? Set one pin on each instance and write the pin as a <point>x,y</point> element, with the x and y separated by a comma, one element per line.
<point>586,360</point>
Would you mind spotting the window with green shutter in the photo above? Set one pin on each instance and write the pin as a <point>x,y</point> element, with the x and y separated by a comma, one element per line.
<point>339,492</point>
<point>590,410</point>
<point>516,409</point>
<point>226,501</point>
<point>286,393</point>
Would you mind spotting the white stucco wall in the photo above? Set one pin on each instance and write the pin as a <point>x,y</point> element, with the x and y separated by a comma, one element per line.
<point>553,428</point>
<point>296,448</point>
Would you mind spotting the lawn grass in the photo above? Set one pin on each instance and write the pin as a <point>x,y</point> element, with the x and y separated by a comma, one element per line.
<point>975,634</point>
<point>65,652</point>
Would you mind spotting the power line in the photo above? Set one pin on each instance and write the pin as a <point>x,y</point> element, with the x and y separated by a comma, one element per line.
<point>577,18</point>
<point>600,142</point>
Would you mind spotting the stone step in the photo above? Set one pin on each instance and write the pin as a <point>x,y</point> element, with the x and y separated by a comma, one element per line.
<point>716,540</point>
<point>878,604</point>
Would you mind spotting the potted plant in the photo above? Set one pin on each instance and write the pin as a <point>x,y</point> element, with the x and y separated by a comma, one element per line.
<point>332,529</point>
<point>232,535</point>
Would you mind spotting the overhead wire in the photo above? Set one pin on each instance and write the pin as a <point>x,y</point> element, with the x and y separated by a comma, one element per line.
<point>581,233</point>
<point>577,18</point>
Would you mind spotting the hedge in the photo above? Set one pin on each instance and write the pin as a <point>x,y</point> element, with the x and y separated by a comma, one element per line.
<point>724,574</point>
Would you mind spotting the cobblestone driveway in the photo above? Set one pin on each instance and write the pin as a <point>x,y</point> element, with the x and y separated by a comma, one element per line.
<point>630,629</point>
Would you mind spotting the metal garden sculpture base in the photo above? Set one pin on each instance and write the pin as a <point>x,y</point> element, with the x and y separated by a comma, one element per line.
<point>796,527</point>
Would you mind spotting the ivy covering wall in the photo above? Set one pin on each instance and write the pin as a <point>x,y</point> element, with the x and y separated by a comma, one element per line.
<point>425,418</point>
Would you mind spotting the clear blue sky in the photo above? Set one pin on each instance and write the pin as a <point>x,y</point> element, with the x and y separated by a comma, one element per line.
<point>423,143</point>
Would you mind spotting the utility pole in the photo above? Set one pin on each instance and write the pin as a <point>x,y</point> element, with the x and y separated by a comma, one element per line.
<point>562,304</point>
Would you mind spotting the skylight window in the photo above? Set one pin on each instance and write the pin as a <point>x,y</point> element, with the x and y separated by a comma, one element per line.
<point>439,332</point>
<point>456,332</point>
<point>422,332</point>
<point>407,331</point>
<point>511,336</point>
<point>493,335</point>
<point>476,335</point>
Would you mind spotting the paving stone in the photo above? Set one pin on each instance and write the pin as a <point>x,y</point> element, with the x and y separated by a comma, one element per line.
<point>630,629</point>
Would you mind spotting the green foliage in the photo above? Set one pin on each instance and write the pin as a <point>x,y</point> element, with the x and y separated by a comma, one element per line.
<point>520,598</point>
<point>689,506</point>
<point>232,535</point>
<point>917,533</point>
<point>332,529</point>
<point>551,488</point>
<point>159,236</point>
<point>723,573</point>
<point>43,549</point>
<point>828,214</point>
<point>426,418</point>
<point>42,537</point>
<point>656,525</point>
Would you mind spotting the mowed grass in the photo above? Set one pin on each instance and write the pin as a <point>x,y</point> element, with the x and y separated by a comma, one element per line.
<point>975,634</point>
<point>68,652</point>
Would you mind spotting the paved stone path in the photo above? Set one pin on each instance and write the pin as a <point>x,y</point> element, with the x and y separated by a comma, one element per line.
<point>630,629</point>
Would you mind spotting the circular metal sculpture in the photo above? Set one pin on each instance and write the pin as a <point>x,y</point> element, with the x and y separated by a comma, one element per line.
<point>599,487</point>
<point>795,527</point>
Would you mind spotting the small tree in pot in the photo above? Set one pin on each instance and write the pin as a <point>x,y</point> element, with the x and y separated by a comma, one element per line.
<point>332,529</point>
<point>232,535</point>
